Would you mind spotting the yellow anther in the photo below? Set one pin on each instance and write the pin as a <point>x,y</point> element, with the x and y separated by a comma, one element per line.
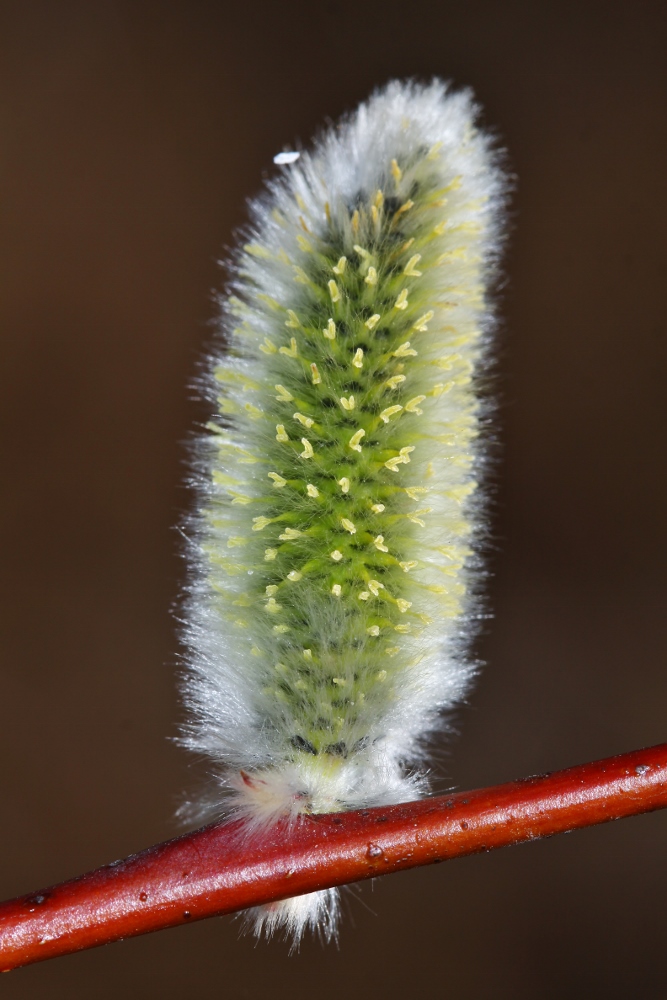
<point>409,268</point>
<point>416,519</point>
<point>307,654</point>
<point>395,381</point>
<point>373,321</point>
<point>387,414</point>
<point>407,566</point>
<point>285,396</point>
<point>433,151</point>
<point>381,675</point>
<point>347,404</point>
<point>415,491</point>
<point>405,351</point>
<point>344,484</point>
<point>377,508</point>
<point>339,268</point>
<point>330,332</point>
<point>258,523</point>
<point>336,555</point>
<point>268,347</point>
<point>289,534</point>
<point>402,300</point>
<point>282,434</point>
<point>407,244</point>
<point>405,207</point>
<point>396,171</point>
<point>293,320</point>
<point>348,525</point>
<point>355,222</point>
<point>392,650</point>
<point>362,253</point>
<point>271,590</point>
<point>304,421</point>
<point>334,291</point>
<point>300,275</point>
<point>240,499</point>
<point>379,544</point>
<point>372,276</point>
<point>375,215</point>
<point>412,406</point>
<point>421,324</point>
<point>405,453</point>
<point>278,481</point>
<point>393,463</point>
<point>336,590</point>
<point>294,575</point>
<point>403,605</point>
<point>338,681</point>
<point>378,201</point>
<point>312,491</point>
<point>316,377</point>
<point>375,587</point>
<point>373,630</point>
<point>402,628</point>
<point>270,554</point>
<point>439,230</point>
<point>253,410</point>
<point>358,359</point>
<point>459,493</point>
<point>290,351</point>
<point>307,449</point>
<point>355,440</point>
<point>281,629</point>
<point>272,606</point>
<point>364,595</point>
<point>300,202</point>
<point>304,244</point>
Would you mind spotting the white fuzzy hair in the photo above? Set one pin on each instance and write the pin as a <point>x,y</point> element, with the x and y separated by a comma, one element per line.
<point>409,161</point>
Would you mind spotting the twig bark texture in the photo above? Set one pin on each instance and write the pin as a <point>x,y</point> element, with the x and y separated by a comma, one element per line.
<point>215,871</point>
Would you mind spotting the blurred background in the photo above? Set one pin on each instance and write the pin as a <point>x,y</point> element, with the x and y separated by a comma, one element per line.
<point>130,135</point>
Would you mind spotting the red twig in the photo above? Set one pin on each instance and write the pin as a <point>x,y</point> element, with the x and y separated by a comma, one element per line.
<point>214,870</point>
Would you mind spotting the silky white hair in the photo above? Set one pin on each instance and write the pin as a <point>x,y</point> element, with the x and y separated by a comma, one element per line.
<point>321,657</point>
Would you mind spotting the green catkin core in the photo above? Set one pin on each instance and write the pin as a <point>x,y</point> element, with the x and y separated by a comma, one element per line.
<point>325,508</point>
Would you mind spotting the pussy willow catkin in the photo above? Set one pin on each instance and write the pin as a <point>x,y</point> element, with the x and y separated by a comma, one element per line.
<point>334,546</point>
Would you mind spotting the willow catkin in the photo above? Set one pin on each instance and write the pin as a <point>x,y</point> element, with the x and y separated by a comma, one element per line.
<point>335,539</point>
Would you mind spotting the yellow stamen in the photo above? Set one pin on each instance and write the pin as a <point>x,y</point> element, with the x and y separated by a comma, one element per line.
<point>409,268</point>
<point>387,414</point>
<point>354,441</point>
<point>307,449</point>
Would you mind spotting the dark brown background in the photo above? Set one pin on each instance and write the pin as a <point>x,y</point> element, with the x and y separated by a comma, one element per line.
<point>130,134</point>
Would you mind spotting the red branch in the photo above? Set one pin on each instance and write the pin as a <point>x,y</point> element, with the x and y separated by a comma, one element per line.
<point>215,870</point>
